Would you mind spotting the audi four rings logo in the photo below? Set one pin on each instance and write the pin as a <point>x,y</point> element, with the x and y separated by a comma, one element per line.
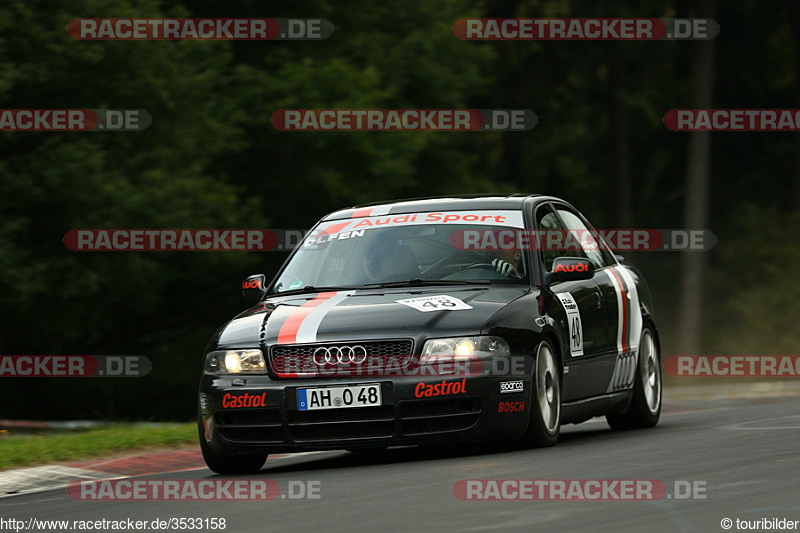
<point>340,354</point>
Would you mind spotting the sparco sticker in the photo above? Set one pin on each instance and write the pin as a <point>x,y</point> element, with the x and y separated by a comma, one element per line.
<point>574,319</point>
<point>511,386</point>
<point>435,303</point>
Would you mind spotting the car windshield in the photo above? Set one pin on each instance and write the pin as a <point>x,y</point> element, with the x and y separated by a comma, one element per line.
<point>417,248</point>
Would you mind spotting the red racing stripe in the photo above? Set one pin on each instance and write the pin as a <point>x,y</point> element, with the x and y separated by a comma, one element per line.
<point>335,228</point>
<point>288,331</point>
<point>360,213</point>
<point>624,310</point>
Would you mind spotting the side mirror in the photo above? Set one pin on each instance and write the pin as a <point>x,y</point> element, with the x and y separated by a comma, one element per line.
<point>569,269</point>
<point>254,287</point>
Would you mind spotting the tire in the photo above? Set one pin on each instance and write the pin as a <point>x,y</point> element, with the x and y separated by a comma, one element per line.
<point>544,423</point>
<point>644,409</point>
<point>229,463</point>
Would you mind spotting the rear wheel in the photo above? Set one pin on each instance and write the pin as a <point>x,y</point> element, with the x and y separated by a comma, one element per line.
<point>229,463</point>
<point>544,424</point>
<point>645,407</point>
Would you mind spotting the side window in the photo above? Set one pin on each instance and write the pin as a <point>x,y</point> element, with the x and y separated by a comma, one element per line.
<point>552,234</point>
<point>578,230</point>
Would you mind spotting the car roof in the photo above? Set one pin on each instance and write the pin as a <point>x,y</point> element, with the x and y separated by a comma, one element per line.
<point>435,204</point>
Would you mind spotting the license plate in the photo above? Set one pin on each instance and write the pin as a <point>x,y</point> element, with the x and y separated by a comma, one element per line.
<point>339,397</point>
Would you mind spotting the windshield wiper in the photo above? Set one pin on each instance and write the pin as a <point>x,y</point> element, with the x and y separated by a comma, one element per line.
<point>419,282</point>
<point>313,288</point>
<point>414,282</point>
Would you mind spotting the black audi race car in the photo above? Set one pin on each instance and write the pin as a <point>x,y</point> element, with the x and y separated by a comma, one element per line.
<point>431,320</point>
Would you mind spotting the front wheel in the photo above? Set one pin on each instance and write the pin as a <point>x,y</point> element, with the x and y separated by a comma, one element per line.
<point>544,424</point>
<point>645,407</point>
<point>229,463</point>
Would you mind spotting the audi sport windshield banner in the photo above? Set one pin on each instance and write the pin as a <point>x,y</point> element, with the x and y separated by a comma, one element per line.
<point>502,218</point>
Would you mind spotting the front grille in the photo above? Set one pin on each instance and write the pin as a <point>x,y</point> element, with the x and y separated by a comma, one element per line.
<point>248,417</point>
<point>253,435</point>
<point>385,412</point>
<point>383,358</point>
<point>261,426</point>
<point>347,431</point>
<point>342,424</point>
<point>439,416</point>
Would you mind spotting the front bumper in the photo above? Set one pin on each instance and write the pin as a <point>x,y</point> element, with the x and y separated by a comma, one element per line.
<point>403,418</point>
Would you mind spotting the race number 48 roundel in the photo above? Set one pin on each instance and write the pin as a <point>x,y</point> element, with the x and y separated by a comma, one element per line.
<point>441,302</point>
<point>575,326</point>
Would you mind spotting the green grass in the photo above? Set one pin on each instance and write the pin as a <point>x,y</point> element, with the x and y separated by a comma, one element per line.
<point>36,450</point>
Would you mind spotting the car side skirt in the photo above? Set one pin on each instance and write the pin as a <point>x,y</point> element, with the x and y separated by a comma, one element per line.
<point>582,410</point>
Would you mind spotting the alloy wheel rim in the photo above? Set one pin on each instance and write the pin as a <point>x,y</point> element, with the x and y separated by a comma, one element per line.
<point>650,372</point>
<point>548,388</point>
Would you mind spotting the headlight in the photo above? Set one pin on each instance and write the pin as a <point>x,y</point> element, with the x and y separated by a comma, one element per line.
<point>463,348</point>
<point>235,362</point>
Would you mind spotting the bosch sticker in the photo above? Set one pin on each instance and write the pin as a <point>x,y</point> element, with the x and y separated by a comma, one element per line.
<point>511,407</point>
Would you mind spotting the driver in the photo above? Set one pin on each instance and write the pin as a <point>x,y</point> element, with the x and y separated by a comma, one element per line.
<point>508,263</point>
<point>388,260</point>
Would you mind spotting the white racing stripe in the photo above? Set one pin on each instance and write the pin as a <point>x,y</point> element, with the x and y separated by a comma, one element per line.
<point>307,332</point>
<point>380,210</point>
<point>629,328</point>
<point>618,292</point>
<point>635,314</point>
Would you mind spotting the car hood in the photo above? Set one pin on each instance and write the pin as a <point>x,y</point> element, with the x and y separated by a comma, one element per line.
<point>367,314</point>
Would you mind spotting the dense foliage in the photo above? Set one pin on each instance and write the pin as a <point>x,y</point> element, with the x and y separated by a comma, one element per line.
<point>211,159</point>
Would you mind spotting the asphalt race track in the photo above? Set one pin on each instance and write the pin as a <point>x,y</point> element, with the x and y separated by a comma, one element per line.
<point>746,452</point>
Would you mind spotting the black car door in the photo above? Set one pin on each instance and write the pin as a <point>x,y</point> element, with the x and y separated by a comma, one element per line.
<point>587,360</point>
<point>621,302</point>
